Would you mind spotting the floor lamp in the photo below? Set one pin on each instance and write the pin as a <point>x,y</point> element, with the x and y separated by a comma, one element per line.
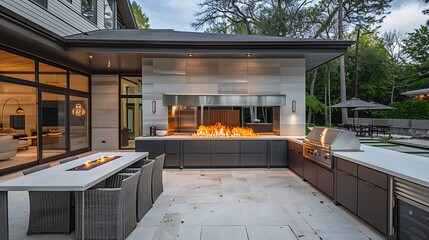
<point>19,110</point>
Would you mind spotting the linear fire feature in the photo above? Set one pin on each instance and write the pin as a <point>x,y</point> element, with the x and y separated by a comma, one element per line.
<point>88,165</point>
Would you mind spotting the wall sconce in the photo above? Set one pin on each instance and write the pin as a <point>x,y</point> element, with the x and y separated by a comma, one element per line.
<point>153,106</point>
<point>293,106</point>
<point>78,110</point>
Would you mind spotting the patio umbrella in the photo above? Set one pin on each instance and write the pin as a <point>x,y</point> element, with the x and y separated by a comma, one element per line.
<point>375,107</point>
<point>352,103</point>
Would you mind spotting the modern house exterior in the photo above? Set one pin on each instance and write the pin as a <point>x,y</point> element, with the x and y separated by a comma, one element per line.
<point>87,79</point>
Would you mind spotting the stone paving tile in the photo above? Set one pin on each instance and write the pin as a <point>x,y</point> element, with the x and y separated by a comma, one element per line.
<point>248,204</point>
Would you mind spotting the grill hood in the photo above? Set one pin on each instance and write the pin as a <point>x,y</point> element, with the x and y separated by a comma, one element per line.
<point>333,139</point>
<point>224,100</point>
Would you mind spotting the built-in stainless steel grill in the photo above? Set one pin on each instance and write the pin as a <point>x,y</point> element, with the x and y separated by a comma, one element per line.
<point>321,142</point>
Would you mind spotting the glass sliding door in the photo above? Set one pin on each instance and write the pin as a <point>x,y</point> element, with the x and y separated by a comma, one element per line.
<point>54,130</point>
<point>130,111</point>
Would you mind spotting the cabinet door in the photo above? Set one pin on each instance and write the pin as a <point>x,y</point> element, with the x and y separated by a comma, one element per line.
<point>227,146</point>
<point>196,146</point>
<point>277,153</point>
<point>299,159</point>
<point>151,146</point>
<point>325,181</point>
<point>225,160</point>
<point>310,172</point>
<point>173,146</point>
<point>347,190</point>
<point>253,160</point>
<point>372,205</point>
<point>291,155</point>
<point>196,160</point>
<point>172,160</point>
<point>253,146</point>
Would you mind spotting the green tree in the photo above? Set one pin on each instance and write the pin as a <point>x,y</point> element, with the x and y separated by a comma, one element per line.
<point>416,48</point>
<point>141,19</point>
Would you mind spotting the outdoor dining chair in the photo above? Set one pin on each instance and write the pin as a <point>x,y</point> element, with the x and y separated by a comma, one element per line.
<point>157,185</point>
<point>110,213</point>
<point>50,212</point>
<point>144,188</point>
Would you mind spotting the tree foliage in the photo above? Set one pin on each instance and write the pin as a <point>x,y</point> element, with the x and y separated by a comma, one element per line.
<point>141,19</point>
<point>410,109</point>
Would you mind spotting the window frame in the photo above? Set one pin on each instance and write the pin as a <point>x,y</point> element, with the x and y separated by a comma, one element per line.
<point>94,20</point>
<point>44,4</point>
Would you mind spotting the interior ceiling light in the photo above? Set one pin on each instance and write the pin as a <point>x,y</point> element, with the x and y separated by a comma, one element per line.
<point>190,54</point>
<point>91,57</point>
<point>248,54</point>
<point>108,64</point>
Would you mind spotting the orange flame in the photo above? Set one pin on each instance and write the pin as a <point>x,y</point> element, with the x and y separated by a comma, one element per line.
<point>221,130</point>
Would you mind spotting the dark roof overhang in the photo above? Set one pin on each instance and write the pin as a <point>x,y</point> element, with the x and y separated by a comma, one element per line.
<point>123,49</point>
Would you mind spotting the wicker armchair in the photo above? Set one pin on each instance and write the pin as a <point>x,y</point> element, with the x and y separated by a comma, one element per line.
<point>50,212</point>
<point>144,188</point>
<point>68,159</point>
<point>109,212</point>
<point>157,186</point>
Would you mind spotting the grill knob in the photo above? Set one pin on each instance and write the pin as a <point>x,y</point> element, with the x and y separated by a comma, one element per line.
<point>326,157</point>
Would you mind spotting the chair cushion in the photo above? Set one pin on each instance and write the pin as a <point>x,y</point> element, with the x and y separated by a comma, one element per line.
<point>6,138</point>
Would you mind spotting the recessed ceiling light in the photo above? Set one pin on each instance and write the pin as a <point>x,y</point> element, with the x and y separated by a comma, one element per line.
<point>91,57</point>
<point>190,54</point>
<point>248,54</point>
<point>108,64</point>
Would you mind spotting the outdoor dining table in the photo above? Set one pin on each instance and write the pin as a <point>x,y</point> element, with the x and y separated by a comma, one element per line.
<point>62,178</point>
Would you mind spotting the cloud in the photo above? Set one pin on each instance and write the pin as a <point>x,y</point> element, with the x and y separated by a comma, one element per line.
<point>170,14</point>
<point>405,16</point>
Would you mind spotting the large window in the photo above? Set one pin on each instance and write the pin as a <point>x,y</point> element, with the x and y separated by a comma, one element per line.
<point>52,75</point>
<point>42,120</point>
<point>110,14</point>
<point>89,10</point>
<point>12,65</point>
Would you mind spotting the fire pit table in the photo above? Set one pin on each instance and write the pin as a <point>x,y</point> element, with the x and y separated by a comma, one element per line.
<point>70,176</point>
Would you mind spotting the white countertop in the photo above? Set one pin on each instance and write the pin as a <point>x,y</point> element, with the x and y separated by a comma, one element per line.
<point>406,166</point>
<point>59,179</point>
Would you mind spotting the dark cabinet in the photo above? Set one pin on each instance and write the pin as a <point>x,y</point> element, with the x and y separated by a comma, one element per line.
<point>154,147</point>
<point>196,146</point>
<point>291,155</point>
<point>173,154</point>
<point>253,146</point>
<point>319,176</point>
<point>225,160</point>
<point>372,205</point>
<point>372,197</point>
<point>196,160</point>
<point>347,190</point>
<point>278,157</point>
<point>363,191</point>
<point>227,146</point>
<point>325,181</point>
<point>310,172</point>
<point>253,160</point>
<point>299,159</point>
<point>347,184</point>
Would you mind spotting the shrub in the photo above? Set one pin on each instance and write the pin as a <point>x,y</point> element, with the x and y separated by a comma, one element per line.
<point>410,109</point>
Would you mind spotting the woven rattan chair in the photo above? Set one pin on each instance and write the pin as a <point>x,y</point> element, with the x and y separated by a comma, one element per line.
<point>50,212</point>
<point>144,188</point>
<point>157,186</point>
<point>68,159</point>
<point>109,212</point>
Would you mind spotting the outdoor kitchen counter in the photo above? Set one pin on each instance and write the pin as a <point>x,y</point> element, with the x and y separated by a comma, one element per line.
<point>189,137</point>
<point>406,166</point>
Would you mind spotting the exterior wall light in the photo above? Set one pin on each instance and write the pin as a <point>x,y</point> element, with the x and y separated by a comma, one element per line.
<point>153,106</point>
<point>293,106</point>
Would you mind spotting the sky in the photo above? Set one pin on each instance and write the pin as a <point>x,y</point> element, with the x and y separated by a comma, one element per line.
<point>406,15</point>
